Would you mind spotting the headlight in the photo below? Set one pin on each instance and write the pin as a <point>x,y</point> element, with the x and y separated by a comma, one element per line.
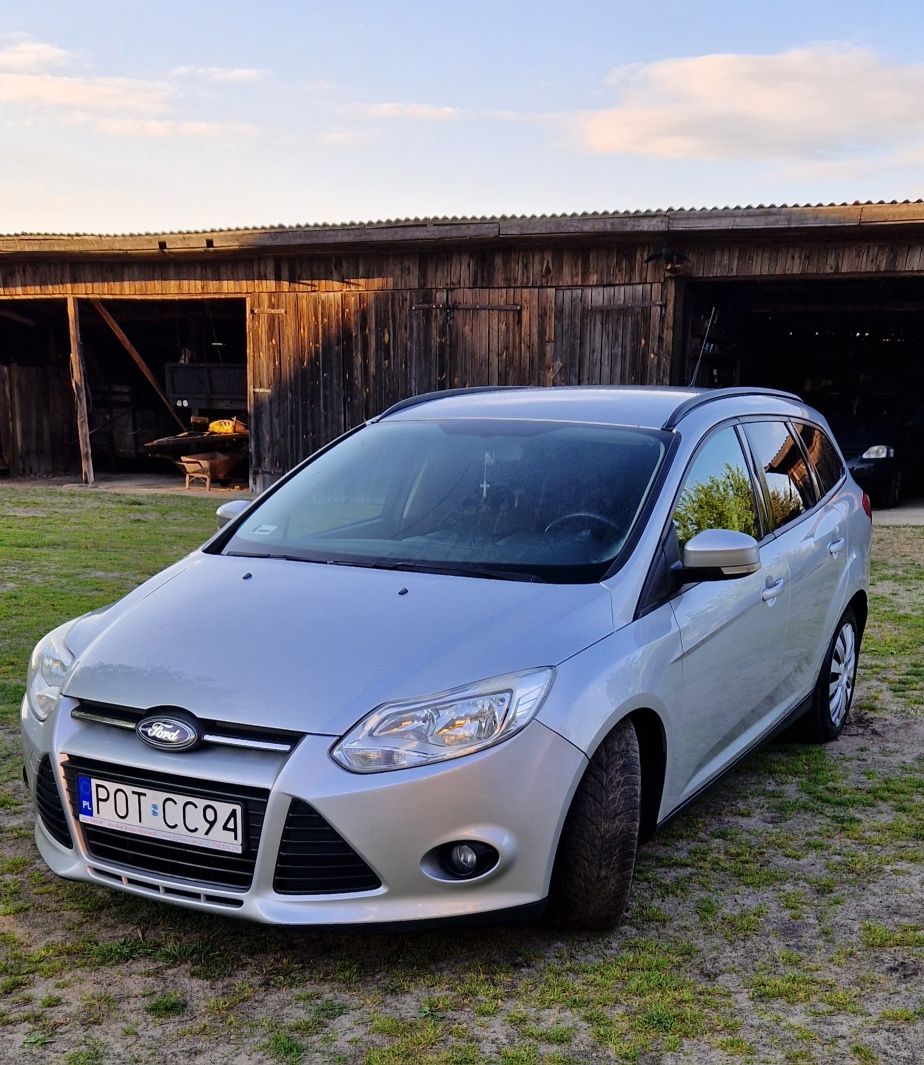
<point>48,669</point>
<point>878,451</point>
<point>447,725</point>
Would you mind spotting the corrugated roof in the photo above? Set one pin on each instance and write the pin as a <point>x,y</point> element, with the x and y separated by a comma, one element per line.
<point>470,219</point>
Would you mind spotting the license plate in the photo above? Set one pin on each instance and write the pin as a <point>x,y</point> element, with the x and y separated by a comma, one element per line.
<point>161,814</point>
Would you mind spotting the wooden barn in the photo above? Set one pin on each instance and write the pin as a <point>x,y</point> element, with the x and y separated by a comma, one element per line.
<point>110,342</point>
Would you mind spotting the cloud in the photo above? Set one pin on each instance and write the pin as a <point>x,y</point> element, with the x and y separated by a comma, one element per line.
<point>421,112</point>
<point>227,74</point>
<point>163,127</point>
<point>95,94</point>
<point>116,106</point>
<point>345,138</point>
<point>823,101</point>
<point>29,55</point>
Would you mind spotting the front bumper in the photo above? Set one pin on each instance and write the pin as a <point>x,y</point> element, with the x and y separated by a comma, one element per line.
<point>513,796</point>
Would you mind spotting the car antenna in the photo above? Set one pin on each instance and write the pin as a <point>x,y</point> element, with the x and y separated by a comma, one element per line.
<point>709,325</point>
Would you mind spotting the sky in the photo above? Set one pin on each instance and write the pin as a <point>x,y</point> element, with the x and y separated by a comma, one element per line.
<point>129,115</point>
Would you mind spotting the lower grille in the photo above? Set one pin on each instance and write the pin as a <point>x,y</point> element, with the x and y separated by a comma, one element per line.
<point>49,806</point>
<point>315,860</point>
<point>166,857</point>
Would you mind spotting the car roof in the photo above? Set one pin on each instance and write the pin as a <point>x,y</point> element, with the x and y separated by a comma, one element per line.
<point>645,406</point>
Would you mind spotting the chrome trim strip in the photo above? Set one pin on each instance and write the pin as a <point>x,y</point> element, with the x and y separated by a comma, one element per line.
<point>238,741</point>
<point>209,737</point>
<point>102,719</point>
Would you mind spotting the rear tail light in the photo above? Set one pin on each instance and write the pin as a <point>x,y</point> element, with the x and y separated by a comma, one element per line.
<point>867,506</point>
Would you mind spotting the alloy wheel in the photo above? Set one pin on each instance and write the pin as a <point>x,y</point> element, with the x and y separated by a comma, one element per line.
<point>843,670</point>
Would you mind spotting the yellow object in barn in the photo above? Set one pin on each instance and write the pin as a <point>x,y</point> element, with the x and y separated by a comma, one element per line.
<point>226,426</point>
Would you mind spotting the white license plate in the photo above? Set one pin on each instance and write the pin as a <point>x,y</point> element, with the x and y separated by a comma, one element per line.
<point>161,814</point>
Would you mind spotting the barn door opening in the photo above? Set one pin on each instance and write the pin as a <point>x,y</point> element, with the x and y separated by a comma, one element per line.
<point>609,334</point>
<point>478,336</point>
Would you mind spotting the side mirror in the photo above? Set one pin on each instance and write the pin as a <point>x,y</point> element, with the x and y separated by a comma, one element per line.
<point>717,554</point>
<point>230,510</point>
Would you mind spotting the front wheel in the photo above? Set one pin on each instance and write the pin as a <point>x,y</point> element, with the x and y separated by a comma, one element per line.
<point>825,719</point>
<point>596,854</point>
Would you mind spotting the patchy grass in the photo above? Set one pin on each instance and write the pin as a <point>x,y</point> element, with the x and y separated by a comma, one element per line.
<point>778,921</point>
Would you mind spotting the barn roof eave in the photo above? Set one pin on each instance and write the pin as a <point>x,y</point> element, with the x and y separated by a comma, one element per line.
<point>321,237</point>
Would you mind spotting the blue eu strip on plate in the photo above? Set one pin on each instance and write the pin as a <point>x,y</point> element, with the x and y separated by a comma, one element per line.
<point>85,795</point>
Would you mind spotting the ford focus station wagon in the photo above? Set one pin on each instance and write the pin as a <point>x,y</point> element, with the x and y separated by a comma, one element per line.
<point>460,662</point>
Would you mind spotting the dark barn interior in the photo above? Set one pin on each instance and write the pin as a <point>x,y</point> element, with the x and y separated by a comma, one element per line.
<point>810,337</point>
<point>195,349</point>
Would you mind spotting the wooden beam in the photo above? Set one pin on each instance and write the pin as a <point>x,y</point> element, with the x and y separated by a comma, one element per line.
<point>79,384</point>
<point>139,362</point>
<point>14,317</point>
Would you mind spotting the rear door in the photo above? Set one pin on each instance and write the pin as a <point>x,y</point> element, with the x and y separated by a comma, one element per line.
<point>733,632</point>
<point>800,469</point>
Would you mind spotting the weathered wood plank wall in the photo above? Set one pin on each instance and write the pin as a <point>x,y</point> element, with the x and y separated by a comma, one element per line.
<point>546,267</point>
<point>323,362</point>
<point>37,428</point>
<point>335,338</point>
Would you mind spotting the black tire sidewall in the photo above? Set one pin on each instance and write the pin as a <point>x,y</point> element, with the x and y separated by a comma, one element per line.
<point>603,819</point>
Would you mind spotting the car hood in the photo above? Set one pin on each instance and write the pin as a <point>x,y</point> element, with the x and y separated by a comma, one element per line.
<point>313,647</point>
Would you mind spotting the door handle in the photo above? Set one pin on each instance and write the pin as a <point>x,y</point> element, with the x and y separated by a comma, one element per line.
<point>770,593</point>
<point>835,547</point>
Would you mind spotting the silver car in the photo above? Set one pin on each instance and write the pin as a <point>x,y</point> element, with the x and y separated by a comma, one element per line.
<point>460,662</point>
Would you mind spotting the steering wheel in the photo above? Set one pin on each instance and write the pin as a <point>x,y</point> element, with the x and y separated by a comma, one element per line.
<point>582,516</point>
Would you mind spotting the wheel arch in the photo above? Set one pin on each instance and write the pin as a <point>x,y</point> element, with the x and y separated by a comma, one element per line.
<point>652,745</point>
<point>652,748</point>
<point>860,606</point>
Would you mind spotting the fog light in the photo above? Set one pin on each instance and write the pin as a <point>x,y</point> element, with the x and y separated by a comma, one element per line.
<point>463,859</point>
<point>466,858</point>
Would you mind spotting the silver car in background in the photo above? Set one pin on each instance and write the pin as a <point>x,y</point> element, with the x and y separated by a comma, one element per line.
<point>460,662</point>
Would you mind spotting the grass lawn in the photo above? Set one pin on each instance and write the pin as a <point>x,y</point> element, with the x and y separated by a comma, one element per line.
<point>780,920</point>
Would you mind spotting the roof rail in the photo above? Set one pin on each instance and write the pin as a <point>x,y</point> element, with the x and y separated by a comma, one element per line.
<point>428,397</point>
<point>710,394</point>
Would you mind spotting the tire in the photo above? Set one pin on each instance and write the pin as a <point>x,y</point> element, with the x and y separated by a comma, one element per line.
<point>825,719</point>
<point>892,495</point>
<point>596,854</point>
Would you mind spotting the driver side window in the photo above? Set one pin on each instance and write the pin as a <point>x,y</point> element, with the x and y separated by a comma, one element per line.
<point>717,493</point>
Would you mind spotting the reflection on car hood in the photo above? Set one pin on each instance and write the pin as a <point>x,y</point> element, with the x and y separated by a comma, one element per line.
<point>312,647</point>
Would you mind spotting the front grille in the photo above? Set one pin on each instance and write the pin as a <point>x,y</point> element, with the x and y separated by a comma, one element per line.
<point>166,857</point>
<point>49,805</point>
<point>221,733</point>
<point>315,860</point>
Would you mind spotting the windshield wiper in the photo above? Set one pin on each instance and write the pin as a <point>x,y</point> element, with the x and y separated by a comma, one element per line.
<point>472,569</point>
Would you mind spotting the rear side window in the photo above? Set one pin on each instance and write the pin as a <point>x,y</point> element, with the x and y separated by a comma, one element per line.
<point>789,484</point>
<point>717,492</point>
<point>823,456</point>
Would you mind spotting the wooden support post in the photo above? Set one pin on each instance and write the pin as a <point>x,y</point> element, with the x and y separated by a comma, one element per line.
<point>78,381</point>
<point>139,362</point>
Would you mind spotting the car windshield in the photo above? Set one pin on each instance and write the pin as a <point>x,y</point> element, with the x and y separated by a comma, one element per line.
<point>508,499</point>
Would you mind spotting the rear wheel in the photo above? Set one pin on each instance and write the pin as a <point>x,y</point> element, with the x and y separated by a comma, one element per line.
<point>833,695</point>
<point>596,854</point>
<point>893,492</point>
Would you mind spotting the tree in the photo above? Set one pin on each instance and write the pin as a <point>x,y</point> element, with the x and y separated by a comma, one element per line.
<point>724,501</point>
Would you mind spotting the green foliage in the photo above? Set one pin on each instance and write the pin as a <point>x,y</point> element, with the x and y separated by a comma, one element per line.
<point>724,501</point>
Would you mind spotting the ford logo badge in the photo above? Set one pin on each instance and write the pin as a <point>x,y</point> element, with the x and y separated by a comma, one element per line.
<point>168,732</point>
